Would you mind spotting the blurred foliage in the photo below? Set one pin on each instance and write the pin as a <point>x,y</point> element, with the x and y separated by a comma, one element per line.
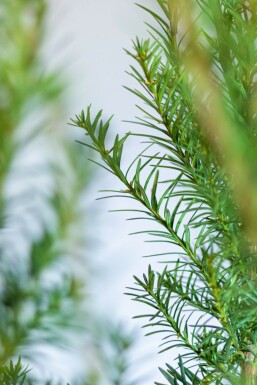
<point>13,374</point>
<point>43,270</point>
<point>195,182</point>
<point>27,303</point>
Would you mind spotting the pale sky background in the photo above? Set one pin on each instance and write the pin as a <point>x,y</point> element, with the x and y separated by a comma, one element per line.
<point>85,38</point>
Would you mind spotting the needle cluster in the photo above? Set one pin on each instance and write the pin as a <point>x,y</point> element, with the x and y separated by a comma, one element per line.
<point>196,182</point>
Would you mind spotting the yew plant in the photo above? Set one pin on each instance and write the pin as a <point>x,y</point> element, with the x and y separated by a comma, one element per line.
<point>196,181</point>
<point>45,309</point>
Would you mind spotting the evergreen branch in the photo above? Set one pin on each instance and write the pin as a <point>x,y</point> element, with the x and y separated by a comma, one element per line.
<point>203,124</point>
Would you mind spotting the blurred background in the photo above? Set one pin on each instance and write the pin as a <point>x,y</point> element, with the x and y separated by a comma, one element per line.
<point>65,262</point>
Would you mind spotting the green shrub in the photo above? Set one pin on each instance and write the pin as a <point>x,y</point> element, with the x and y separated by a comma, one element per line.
<point>196,182</point>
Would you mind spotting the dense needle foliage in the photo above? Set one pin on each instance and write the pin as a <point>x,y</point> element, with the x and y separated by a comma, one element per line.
<point>196,182</point>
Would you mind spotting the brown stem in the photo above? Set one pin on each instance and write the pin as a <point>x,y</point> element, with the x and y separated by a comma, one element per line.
<point>249,370</point>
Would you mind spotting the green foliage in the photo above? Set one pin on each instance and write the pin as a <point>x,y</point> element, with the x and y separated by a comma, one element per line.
<point>114,345</point>
<point>43,270</point>
<point>13,374</point>
<point>29,305</point>
<point>24,86</point>
<point>196,182</point>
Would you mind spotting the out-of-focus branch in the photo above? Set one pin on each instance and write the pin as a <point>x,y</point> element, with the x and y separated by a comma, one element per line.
<point>233,148</point>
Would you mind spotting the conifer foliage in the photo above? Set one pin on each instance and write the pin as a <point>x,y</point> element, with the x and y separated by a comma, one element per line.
<point>196,182</point>
<point>44,309</point>
<point>39,291</point>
